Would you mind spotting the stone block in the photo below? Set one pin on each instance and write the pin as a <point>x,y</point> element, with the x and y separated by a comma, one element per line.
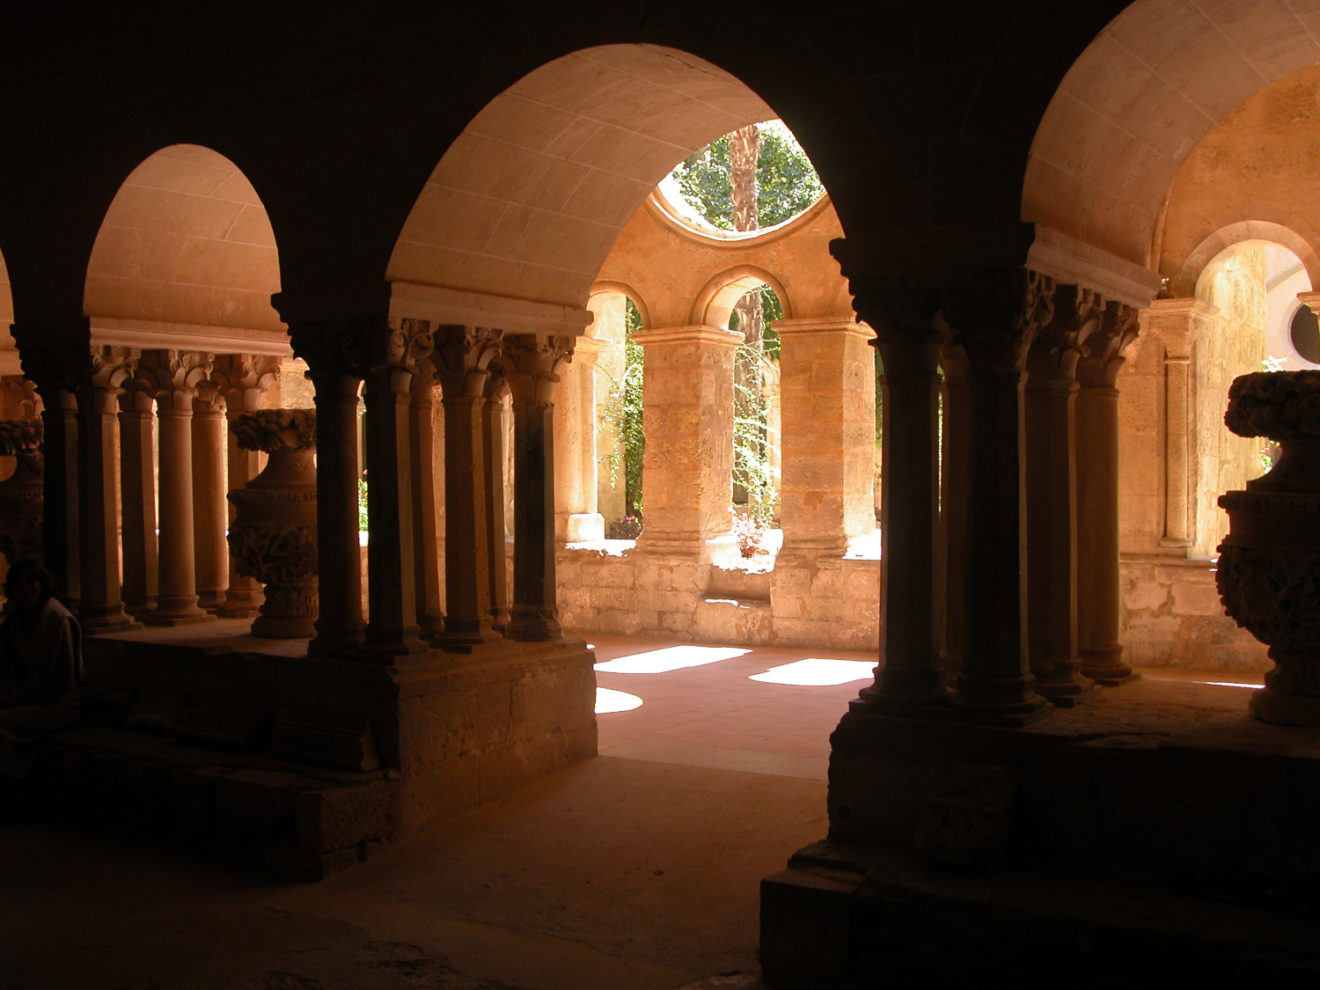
<point>1146,595</point>
<point>1197,598</point>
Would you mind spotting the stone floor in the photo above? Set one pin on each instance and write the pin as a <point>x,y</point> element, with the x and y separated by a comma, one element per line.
<point>637,870</point>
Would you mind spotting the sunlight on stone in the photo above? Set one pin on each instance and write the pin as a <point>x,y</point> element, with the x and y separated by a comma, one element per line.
<point>670,658</point>
<point>1230,684</point>
<point>817,672</point>
<point>608,701</point>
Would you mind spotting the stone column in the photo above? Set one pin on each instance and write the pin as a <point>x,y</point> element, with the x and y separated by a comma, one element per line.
<point>56,357</point>
<point>902,312</point>
<point>534,363</point>
<point>421,434</point>
<point>335,352</point>
<point>688,416</point>
<point>21,492</point>
<point>1051,494</point>
<point>576,514</point>
<point>953,506</point>
<point>210,507</point>
<point>495,431</point>
<point>392,628</point>
<point>827,391</point>
<point>244,380</point>
<point>1099,602</point>
<point>176,376</point>
<point>1177,323</point>
<point>137,467</point>
<point>994,316</point>
<point>463,359</point>
<point>100,607</point>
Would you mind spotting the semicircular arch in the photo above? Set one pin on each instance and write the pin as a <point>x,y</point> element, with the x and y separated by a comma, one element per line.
<point>529,199</point>
<point>719,296</point>
<point>186,241</point>
<point>1139,98</point>
<point>1187,281</point>
<point>623,289</point>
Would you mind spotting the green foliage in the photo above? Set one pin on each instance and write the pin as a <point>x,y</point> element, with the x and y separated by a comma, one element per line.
<point>362,504</point>
<point>771,310</point>
<point>786,182</point>
<point>623,412</point>
<point>753,439</point>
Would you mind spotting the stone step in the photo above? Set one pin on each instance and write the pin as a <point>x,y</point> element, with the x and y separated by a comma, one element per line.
<point>288,819</point>
<point>844,916</point>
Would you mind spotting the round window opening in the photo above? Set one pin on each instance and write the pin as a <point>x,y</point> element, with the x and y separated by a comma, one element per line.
<point>748,180</point>
<point>1305,331</point>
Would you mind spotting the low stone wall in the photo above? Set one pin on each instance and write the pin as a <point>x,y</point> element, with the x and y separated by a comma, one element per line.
<point>1172,617</point>
<point>826,602</point>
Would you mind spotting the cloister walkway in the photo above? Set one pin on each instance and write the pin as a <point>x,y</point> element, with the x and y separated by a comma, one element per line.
<point>635,870</point>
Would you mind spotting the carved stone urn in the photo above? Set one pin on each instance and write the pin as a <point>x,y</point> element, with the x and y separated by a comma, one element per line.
<point>21,493</point>
<point>1269,564</point>
<point>273,535</point>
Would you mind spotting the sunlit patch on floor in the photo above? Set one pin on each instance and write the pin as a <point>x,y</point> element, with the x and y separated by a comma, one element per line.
<point>608,701</point>
<point>1237,684</point>
<point>670,658</point>
<point>818,671</point>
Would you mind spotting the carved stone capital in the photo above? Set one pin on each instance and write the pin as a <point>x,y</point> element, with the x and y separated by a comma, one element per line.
<point>52,367</point>
<point>902,312</point>
<point>463,358</point>
<point>112,366</point>
<point>272,430</point>
<point>244,378</point>
<point>345,346</point>
<point>995,314</point>
<point>174,375</point>
<point>21,394</point>
<point>532,362</point>
<point>1104,352</point>
<point>23,439</point>
<point>1061,343</point>
<point>406,345</point>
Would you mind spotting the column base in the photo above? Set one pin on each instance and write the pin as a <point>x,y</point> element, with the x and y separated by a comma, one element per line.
<point>159,618</point>
<point>430,626</point>
<point>1067,689</point>
<point>534,626</point>
<point>1010,701</point>
<point>1102,665</point>
<point>94,625</point>
<point>394,642</point>
<point>335,645</point>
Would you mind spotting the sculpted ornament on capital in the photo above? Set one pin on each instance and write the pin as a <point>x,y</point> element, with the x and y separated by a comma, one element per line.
<point>272,430</point>
<point>1104,352</point>
<point>1061,343</point>
<point>532,362</point>
<point>174,375</point>
<point>22,439</point>
<point>463,358</point>
<point>244,378</point>
<point>995,314</point>
<point>53,368</point>
<point>344,347</point>
<point>902,312</point>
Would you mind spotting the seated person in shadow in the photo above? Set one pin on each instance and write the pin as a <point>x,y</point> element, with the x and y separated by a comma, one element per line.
<point>40,666</point>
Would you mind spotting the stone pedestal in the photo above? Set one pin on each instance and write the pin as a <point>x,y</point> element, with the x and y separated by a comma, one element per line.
<point>688,415</point>
<point>273,537</point>
<point>1270,558</point>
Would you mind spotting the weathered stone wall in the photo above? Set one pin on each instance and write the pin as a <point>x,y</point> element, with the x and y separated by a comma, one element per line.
<point>1172,617</point>
<point>1235,285</point>
<point>830,602</point>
